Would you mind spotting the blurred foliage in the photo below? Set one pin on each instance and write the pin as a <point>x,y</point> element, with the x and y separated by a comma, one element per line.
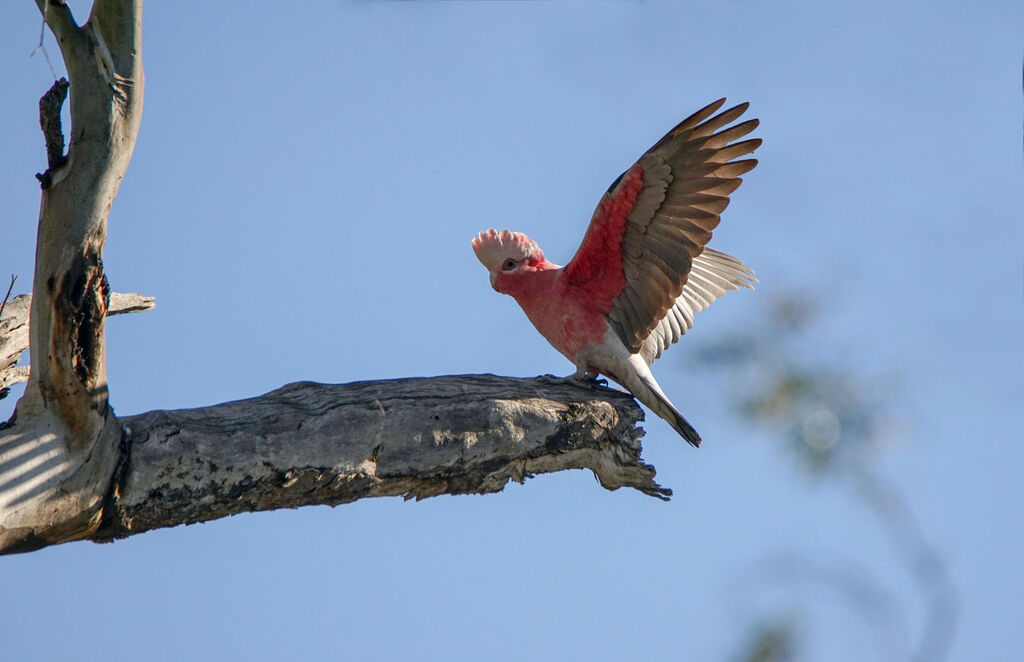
<point>823,413</point>
<point>770,641</point>
<point>786,382</point>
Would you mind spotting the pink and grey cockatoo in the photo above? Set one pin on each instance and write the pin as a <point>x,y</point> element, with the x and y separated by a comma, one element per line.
<point>643,268</point>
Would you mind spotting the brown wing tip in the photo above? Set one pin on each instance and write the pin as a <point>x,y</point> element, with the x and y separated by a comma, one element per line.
<point>741,108</point>
<point>698,117</point>
<point>710,108</point>
<point>702,115</point>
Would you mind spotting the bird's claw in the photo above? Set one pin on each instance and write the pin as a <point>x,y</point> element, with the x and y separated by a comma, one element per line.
<point>586,380</point>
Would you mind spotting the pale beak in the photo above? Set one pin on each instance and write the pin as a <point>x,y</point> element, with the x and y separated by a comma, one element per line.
<point>494,277</point>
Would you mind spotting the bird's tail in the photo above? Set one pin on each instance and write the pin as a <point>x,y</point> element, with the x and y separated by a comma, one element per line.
<point>660,405</point>
<point>634,373</point>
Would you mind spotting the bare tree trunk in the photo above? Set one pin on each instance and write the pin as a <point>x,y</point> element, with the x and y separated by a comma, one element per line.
<point>69,469</point>
<point>62,445</point>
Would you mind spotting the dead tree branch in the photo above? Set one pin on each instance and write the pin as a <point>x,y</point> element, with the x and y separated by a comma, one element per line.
<point>7,297</point>
<point>14,336</point>
<point>71,470</point>
<point>53,131</point>
<point>59,451</point>
<point>309,443</point>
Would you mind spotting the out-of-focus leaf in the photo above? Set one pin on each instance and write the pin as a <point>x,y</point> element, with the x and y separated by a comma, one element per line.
<point>773,641</point>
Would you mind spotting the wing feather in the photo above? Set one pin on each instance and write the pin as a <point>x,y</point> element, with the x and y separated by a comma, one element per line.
<point>713,274</point>
<point>713,204</point>
<point>707,185</point>
<point>649,231</point>
<point>629,315</point>
<point>732,134</point>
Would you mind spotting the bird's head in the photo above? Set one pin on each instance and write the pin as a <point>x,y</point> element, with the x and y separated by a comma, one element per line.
<point>507,252</point>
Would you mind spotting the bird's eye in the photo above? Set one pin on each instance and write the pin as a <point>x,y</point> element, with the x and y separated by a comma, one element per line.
<point>509,265</point>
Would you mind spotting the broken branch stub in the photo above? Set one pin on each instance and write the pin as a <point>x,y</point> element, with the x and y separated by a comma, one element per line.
<point>14,336</point>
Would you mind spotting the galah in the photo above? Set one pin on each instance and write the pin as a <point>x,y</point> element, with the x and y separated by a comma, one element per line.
<point>643,268</point>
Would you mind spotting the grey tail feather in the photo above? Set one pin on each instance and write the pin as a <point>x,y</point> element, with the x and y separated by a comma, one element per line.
<point>683,427</point>
<point>678,423</point>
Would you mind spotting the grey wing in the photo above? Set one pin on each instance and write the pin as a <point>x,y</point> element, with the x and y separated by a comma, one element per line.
<point>712,274</point>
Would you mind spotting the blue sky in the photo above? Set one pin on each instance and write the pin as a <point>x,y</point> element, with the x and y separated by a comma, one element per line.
<point>301,200</point>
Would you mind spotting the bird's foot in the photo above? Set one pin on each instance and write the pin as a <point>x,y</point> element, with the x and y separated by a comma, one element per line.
<point>592,379</point>
<point>587,380</point>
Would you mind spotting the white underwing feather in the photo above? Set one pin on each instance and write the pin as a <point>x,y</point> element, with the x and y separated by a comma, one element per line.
<point>712,274</point>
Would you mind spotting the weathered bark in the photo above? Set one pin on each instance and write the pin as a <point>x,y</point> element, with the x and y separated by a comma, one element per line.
<point>310,443</point>
<point>62,445</point>
<point>14,330</point>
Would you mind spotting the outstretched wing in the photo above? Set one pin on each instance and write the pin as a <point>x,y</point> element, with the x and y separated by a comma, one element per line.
<point>711,275</point>
<point>657,217</point>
